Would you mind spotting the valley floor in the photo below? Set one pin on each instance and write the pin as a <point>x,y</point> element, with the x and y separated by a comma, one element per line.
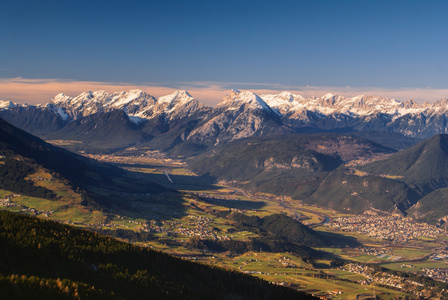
<point>377,248</point>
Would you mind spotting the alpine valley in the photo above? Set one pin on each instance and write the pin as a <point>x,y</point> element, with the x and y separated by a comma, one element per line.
<point>342,198</point>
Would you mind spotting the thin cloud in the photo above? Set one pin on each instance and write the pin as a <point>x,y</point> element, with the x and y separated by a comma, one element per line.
<point>402,94</point>
<point>37,91</point>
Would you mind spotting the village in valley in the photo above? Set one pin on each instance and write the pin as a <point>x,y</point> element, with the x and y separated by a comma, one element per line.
<point>395,229</point>
<point>387,241</point>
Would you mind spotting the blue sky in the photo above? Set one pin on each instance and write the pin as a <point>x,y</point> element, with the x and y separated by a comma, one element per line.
<point>347,46</point>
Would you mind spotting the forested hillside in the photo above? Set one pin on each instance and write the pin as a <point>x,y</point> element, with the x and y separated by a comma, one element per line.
<point>21,153</point>
<point>45,259</point>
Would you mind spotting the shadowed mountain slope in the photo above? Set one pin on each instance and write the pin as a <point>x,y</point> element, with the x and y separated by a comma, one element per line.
<point>258,158</point>
<point>102,182</point>
<point>351,193</point>
<point>433,208</point>
<point>101,132</point>
<point>277,164</point>
<point>423,166</point>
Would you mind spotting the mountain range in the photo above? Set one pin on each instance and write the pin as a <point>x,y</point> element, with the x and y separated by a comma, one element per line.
<point>178,121</point>
<point>283,144</point>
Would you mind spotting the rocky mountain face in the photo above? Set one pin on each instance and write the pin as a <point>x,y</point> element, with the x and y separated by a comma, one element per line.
<point>36,119</point>
<point>182,118</point>
<point>333,112</point>
<point>238,115</point>
<point>134,102</point>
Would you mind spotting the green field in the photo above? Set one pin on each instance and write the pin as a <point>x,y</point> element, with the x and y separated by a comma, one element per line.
<point>161,213</point>
<point>417,266</point>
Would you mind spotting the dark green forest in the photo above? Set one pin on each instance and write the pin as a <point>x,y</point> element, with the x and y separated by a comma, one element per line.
<point>45,259</point>
<point>12,178</point>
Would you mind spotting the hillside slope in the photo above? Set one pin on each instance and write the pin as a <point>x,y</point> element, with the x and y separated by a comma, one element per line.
<point>413,181</point>
<point>100,133</point>
<point>276,164</point>
<point>44,259</point>
<point>102,183</point>
<point>282,227</point>
<point>351,193</point>
<point>433,208</point>
<point>255,158</point>
<point>423,166</point>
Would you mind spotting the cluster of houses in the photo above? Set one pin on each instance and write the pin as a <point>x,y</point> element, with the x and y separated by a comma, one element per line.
<point>214,198</point>
<point>286,262</point>
<point>6,202</point>
<point>38,178</point>
<point>133,159</point>
<point>440,274</point>
<point>199,227</point>
<point>383,278</point>
<point>374,251</point>
<point>37,212</point>
<point>392,228</point>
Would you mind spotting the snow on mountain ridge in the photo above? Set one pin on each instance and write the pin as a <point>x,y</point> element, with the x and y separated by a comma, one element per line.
<point>89,102</point>
<point>235,99</point>
<point>138,103</point>
<point>329,104</point>
<point>179,104</point>
<point>170,102</point>
<point>6,104</point>
<point>328,96</point>
<point>134,102</point>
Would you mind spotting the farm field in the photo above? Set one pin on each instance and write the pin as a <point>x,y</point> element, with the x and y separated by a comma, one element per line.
<point>175,229</point>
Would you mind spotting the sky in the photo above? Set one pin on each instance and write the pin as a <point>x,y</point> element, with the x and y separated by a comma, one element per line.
<point>389,48</point>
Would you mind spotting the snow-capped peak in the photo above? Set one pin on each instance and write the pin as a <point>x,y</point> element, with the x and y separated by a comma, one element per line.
<point>177,95</point>
<point>179,103</point>
<point>87,95</point>
<point>60,98</point>
<point>132,102</point>
<point>6,104</point>
<point>133,97</point>
<point>284,102</point>
<point>328,96</point>
<point>287,96</point>
<point>235,100</point>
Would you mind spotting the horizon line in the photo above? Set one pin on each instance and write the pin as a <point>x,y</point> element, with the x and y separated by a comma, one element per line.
<point>41,91</point>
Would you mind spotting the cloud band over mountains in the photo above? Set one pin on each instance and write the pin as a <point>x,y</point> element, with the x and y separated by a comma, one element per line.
<point>36,91</point>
